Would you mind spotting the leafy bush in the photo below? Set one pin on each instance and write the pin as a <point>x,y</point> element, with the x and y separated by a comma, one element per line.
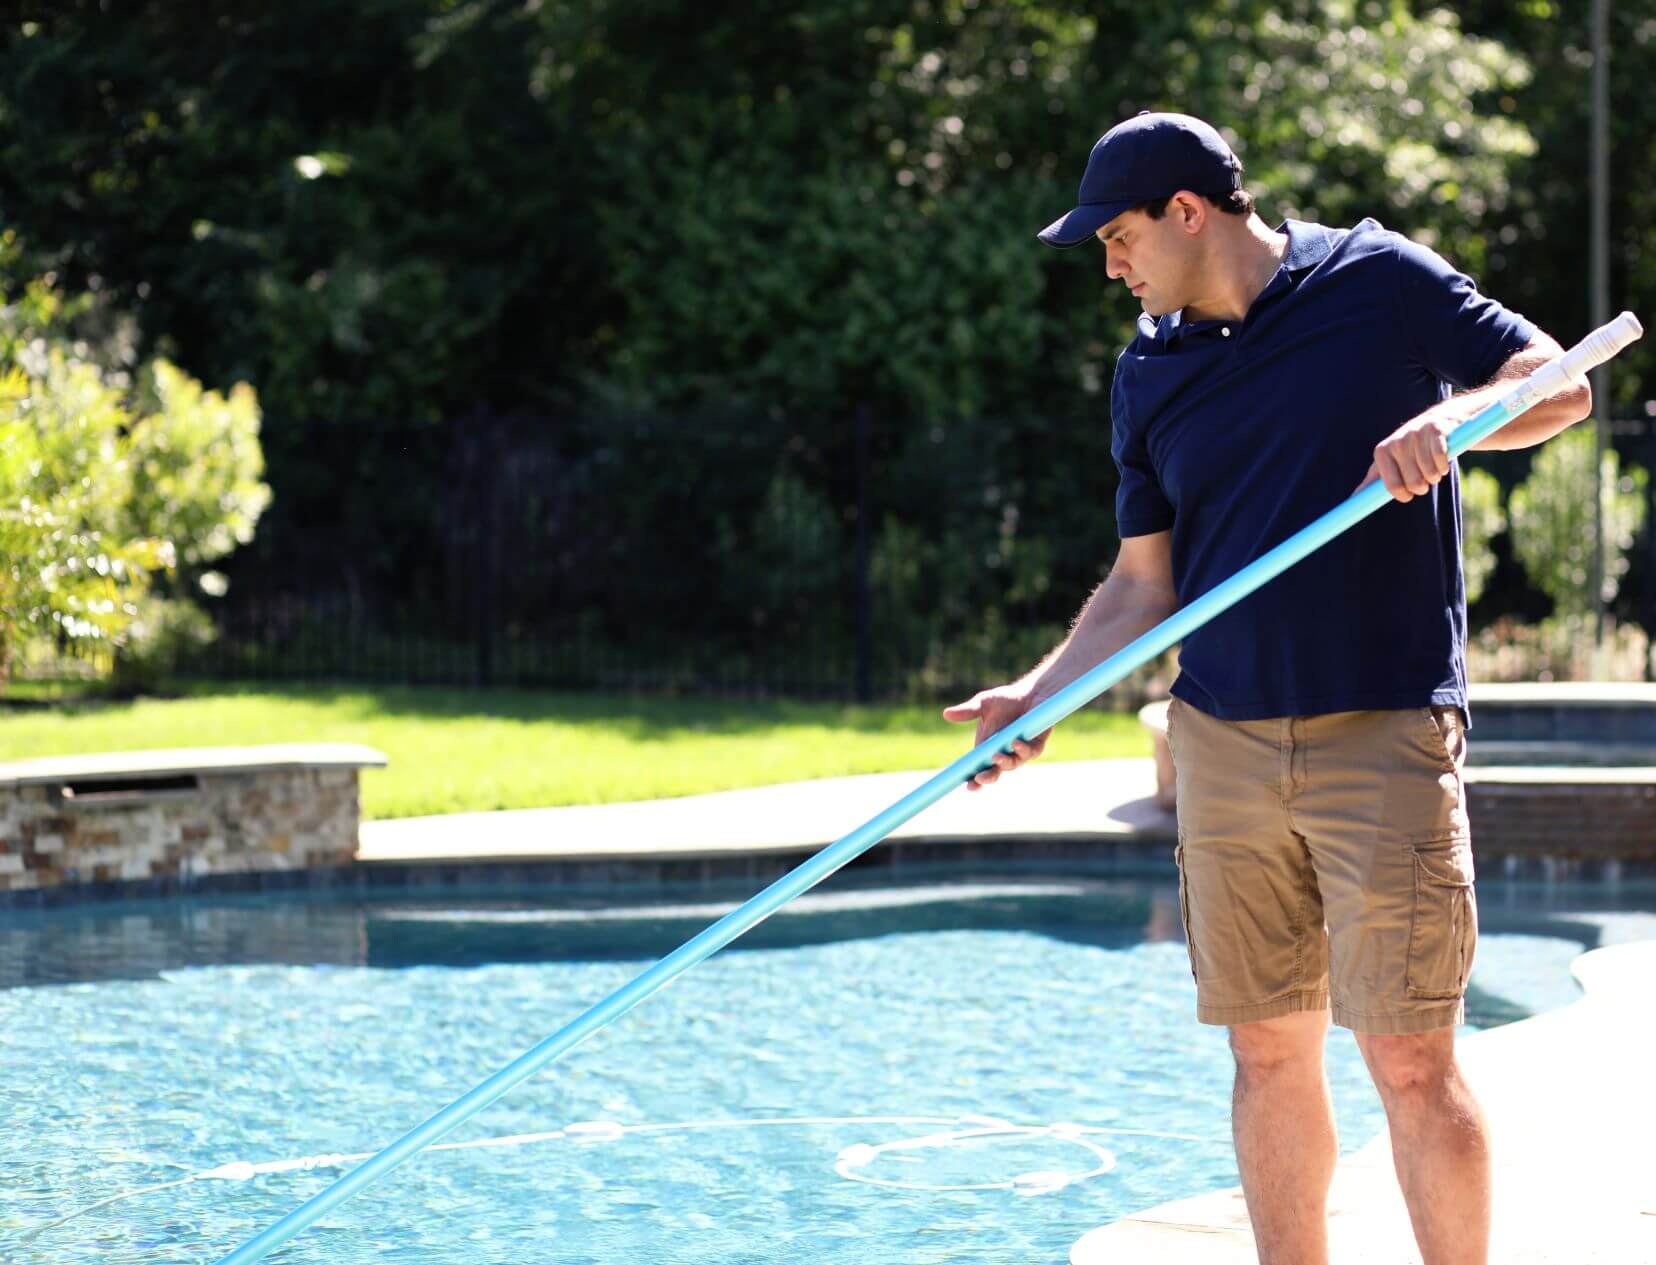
<point>196,465</point>
<point>69,574</point>
<point>1483,520</point>
<point>1552,520</point>
<point>164,635</point>
<point>103,488</point>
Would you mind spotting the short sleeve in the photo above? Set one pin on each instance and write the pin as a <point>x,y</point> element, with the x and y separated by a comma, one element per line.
<point>1142,508</point>
<point>1460,335</point>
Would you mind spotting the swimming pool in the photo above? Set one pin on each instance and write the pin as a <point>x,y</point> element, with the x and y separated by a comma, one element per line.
<point>876,1074</point>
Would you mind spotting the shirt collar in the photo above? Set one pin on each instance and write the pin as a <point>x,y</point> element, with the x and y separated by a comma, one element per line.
<point>1308,245</point>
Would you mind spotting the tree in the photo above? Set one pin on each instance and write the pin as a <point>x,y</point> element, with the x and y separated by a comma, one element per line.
<point>1539,241</point>
<point>669,231</point>
<point>454,203</point>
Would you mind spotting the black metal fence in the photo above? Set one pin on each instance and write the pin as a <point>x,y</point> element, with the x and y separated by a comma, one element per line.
<point>835,557</point>
<point>832,557</point>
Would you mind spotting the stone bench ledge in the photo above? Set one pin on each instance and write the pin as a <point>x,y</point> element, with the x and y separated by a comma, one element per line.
<point>177,762</point>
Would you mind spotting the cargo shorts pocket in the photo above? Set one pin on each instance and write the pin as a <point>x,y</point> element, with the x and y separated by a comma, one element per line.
<point>1443,929</point>
<point>1437,743</point>
<point>1184,907</point>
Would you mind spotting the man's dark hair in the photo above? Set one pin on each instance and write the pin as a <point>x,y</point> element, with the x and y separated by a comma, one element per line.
<point>1236,202</point>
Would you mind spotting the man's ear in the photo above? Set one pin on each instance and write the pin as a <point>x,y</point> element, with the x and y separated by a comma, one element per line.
<point>1190,210</point>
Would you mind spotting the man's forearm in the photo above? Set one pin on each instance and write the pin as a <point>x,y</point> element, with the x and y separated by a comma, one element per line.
<point>1115,615</point>
<point>1539,423</point>
<point>1416,455</point>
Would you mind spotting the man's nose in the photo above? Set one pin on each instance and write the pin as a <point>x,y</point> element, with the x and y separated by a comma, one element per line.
<point>1114,265</point>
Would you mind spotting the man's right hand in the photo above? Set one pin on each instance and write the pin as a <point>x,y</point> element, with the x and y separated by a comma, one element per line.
<point>994,710</point>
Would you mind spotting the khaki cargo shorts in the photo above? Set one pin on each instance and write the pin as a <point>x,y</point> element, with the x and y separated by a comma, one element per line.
<point>1325,861</point>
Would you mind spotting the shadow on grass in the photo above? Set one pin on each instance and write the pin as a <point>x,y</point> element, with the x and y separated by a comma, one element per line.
<point>35,696</point>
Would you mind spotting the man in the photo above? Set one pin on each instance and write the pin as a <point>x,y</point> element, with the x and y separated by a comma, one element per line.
<point>1318,725</point>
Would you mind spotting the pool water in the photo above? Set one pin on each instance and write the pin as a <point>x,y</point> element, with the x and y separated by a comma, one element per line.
<point>974,1072</point>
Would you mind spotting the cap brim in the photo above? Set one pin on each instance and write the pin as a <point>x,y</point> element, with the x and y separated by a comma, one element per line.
<point>1080,224</point>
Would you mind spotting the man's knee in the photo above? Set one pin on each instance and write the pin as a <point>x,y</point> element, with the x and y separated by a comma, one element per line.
<point>1288,1042</point>
<point>1409,1063</point>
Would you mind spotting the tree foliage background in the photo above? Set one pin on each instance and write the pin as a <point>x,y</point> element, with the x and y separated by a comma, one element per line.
<point>681,247</point>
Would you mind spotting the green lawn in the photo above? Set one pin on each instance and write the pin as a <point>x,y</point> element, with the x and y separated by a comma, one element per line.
<point>454,750</point>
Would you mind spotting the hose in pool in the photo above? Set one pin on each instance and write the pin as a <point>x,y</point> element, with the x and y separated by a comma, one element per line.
<point>1567,370</point>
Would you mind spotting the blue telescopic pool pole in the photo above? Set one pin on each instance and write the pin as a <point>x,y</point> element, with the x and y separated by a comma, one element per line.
<point>1569,369</point>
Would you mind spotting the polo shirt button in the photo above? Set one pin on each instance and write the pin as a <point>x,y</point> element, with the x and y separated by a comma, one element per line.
<point>1225,330</point>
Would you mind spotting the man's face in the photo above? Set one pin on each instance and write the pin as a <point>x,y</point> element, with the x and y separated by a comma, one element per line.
<point>1155,259</point>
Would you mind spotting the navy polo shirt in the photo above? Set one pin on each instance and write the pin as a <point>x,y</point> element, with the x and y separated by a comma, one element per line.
<point>1236,434</point>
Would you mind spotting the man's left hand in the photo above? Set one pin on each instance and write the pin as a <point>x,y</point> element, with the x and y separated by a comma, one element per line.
<point>1411,459</point>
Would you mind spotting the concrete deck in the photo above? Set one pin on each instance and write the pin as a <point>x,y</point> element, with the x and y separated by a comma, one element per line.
<point>1571,1100</point>
<point>1106,800</point>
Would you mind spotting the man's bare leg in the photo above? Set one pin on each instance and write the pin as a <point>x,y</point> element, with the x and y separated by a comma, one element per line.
<point>1440,1143</point>
<point>1282,1117</point>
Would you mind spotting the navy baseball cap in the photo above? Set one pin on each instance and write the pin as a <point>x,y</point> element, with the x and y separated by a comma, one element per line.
<point>1149,156</point>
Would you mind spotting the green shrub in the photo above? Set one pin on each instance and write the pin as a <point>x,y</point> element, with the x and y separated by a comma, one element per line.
<point>69,574</point>
<point>103,487</point>
<point>1552,520</point>
<point>196,465</point>
<point>1484,519</point>
<point>164,634</point>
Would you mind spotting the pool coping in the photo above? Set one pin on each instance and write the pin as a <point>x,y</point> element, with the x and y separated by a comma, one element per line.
<point>172,761</point>
<point>1571,694</point>
<point>1599,1207</point>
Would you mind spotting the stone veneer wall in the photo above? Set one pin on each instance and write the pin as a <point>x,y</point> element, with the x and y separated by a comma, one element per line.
<point>239,820</point>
